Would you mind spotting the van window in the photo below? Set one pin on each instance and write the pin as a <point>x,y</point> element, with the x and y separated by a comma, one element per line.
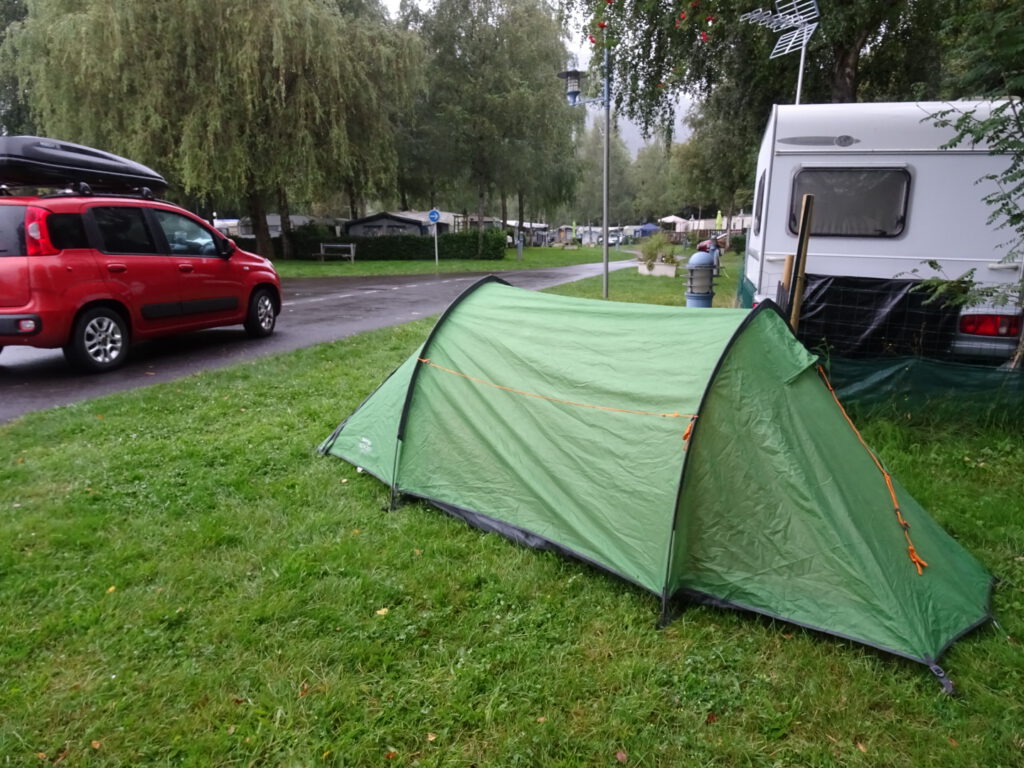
<point>12,230</point>
<point>758,201</point>
<point>852,202</point>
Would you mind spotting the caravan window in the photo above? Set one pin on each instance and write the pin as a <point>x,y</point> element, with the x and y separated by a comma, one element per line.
<point>852,202</point>
<point>758,202</point>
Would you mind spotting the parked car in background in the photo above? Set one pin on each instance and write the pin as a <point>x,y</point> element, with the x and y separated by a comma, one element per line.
<point>93,274</point>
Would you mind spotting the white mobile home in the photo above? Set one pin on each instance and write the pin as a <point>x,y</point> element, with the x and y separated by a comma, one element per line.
<point>888,199</point>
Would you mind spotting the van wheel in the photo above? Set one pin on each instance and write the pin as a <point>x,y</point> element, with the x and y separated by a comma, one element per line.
<point>261,319</point>
<point>99,341</point>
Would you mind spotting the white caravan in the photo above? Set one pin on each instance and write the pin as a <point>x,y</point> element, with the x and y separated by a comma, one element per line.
<point>888,199</point>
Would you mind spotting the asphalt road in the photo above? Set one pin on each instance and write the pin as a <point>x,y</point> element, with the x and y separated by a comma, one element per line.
<point>315,310</point>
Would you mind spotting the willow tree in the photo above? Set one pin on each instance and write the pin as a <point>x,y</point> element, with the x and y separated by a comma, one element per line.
<point>14,116</point>
<point>234,99</point>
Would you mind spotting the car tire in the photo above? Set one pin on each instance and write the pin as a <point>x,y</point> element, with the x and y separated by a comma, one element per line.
<point>99,341</point>
<point>262,315</point>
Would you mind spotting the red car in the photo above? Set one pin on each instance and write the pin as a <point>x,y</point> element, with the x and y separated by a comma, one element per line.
<point>94,274</point>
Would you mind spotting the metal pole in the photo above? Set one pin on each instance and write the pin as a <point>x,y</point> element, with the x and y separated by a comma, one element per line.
<point>607,144</point>
<point>800,74</point>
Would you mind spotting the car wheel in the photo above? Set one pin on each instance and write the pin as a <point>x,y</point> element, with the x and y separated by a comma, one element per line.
<point>262,318</point>
<point>99,341</point>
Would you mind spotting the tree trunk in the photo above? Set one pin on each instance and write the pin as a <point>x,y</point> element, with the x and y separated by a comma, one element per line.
<point>519,215</point>
<point>353,202</point>
<point>286,225</point>
<point>404,201</point>
<point>481,200</point>
<point>258,215</point>
<point>844,74</point>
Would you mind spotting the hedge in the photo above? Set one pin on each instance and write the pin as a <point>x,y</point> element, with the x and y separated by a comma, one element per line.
<point>462,245</point>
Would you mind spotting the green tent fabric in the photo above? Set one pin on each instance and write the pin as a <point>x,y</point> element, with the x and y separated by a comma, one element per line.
<point>693,452</point>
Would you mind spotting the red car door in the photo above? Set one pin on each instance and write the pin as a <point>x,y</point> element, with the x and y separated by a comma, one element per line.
<point>139,274</point>
<point>213,288</point>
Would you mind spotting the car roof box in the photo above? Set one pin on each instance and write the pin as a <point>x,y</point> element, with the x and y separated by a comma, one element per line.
<point>35,161</point>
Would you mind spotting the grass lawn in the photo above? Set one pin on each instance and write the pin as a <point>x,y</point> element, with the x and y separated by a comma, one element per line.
<point>184,582</point>
<point>533,258</point>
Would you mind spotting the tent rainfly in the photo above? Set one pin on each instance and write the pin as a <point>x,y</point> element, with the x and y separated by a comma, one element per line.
<point>696,453</point>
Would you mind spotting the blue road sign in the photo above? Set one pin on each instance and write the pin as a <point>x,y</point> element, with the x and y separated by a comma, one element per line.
<point>434,216</point>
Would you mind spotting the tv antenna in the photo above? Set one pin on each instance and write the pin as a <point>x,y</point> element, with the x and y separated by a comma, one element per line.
<point>797,20</point>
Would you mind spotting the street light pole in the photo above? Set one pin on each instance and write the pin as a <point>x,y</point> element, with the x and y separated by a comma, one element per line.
<point>607,158</point>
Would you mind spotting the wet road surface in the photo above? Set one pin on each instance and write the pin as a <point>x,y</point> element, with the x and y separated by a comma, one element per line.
<point>315,310</point>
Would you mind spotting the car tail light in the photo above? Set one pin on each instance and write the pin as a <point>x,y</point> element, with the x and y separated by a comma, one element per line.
<point>990,325</point>
<point>37,234</point>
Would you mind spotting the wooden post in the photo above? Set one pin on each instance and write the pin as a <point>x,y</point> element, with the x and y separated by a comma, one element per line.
<point>800,267</point>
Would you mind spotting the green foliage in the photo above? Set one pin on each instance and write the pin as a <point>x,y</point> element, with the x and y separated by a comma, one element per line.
<point>992,49</point>
<point>657,249</point>
<point>492,110</point>
<point>588,203</point>
<point>460,246</point>
<point>232,99</point>
<point>14,113</point>
<point>650,179</point>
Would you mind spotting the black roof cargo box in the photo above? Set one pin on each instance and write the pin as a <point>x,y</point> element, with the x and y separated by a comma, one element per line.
<point>38,162</point>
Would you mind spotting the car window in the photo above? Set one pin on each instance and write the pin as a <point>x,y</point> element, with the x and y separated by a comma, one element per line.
<point>123,229</point>
<point>12,234</point>
<point>66,231</point>
<point>185,236</point>
<point>852,202</point>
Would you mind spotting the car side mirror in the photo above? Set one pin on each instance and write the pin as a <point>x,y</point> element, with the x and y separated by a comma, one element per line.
<point>227,247</point>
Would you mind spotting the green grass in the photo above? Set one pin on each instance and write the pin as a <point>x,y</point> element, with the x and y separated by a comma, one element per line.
<point>628,285</point>
<point>184,582</point>
<point>533,258</point>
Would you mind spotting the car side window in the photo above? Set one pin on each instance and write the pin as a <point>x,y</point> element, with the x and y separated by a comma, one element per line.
<point>184,236</point>
<point>67,231</point>
<point>123,229</point>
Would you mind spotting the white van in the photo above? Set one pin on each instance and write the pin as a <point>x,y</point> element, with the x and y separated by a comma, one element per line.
<point>888,199</point>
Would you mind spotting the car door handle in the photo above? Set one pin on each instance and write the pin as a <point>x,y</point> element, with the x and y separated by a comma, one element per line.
<point>117,267</point>
<point>185,268</point>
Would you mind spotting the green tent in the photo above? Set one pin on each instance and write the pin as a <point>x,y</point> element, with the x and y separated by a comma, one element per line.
<point>693,452</point>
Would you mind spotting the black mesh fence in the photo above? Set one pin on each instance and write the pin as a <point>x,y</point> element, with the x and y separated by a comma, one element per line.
<point>857,317</point>
<point>885,343</point>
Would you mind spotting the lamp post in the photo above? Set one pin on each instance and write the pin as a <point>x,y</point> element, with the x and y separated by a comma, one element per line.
<point>572,79</point>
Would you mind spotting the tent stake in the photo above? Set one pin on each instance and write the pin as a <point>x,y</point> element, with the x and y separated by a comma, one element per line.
<point>947,684</point>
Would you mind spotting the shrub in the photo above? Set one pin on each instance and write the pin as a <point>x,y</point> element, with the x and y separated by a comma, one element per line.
<point>657,248</point>
<point>460,245</point>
